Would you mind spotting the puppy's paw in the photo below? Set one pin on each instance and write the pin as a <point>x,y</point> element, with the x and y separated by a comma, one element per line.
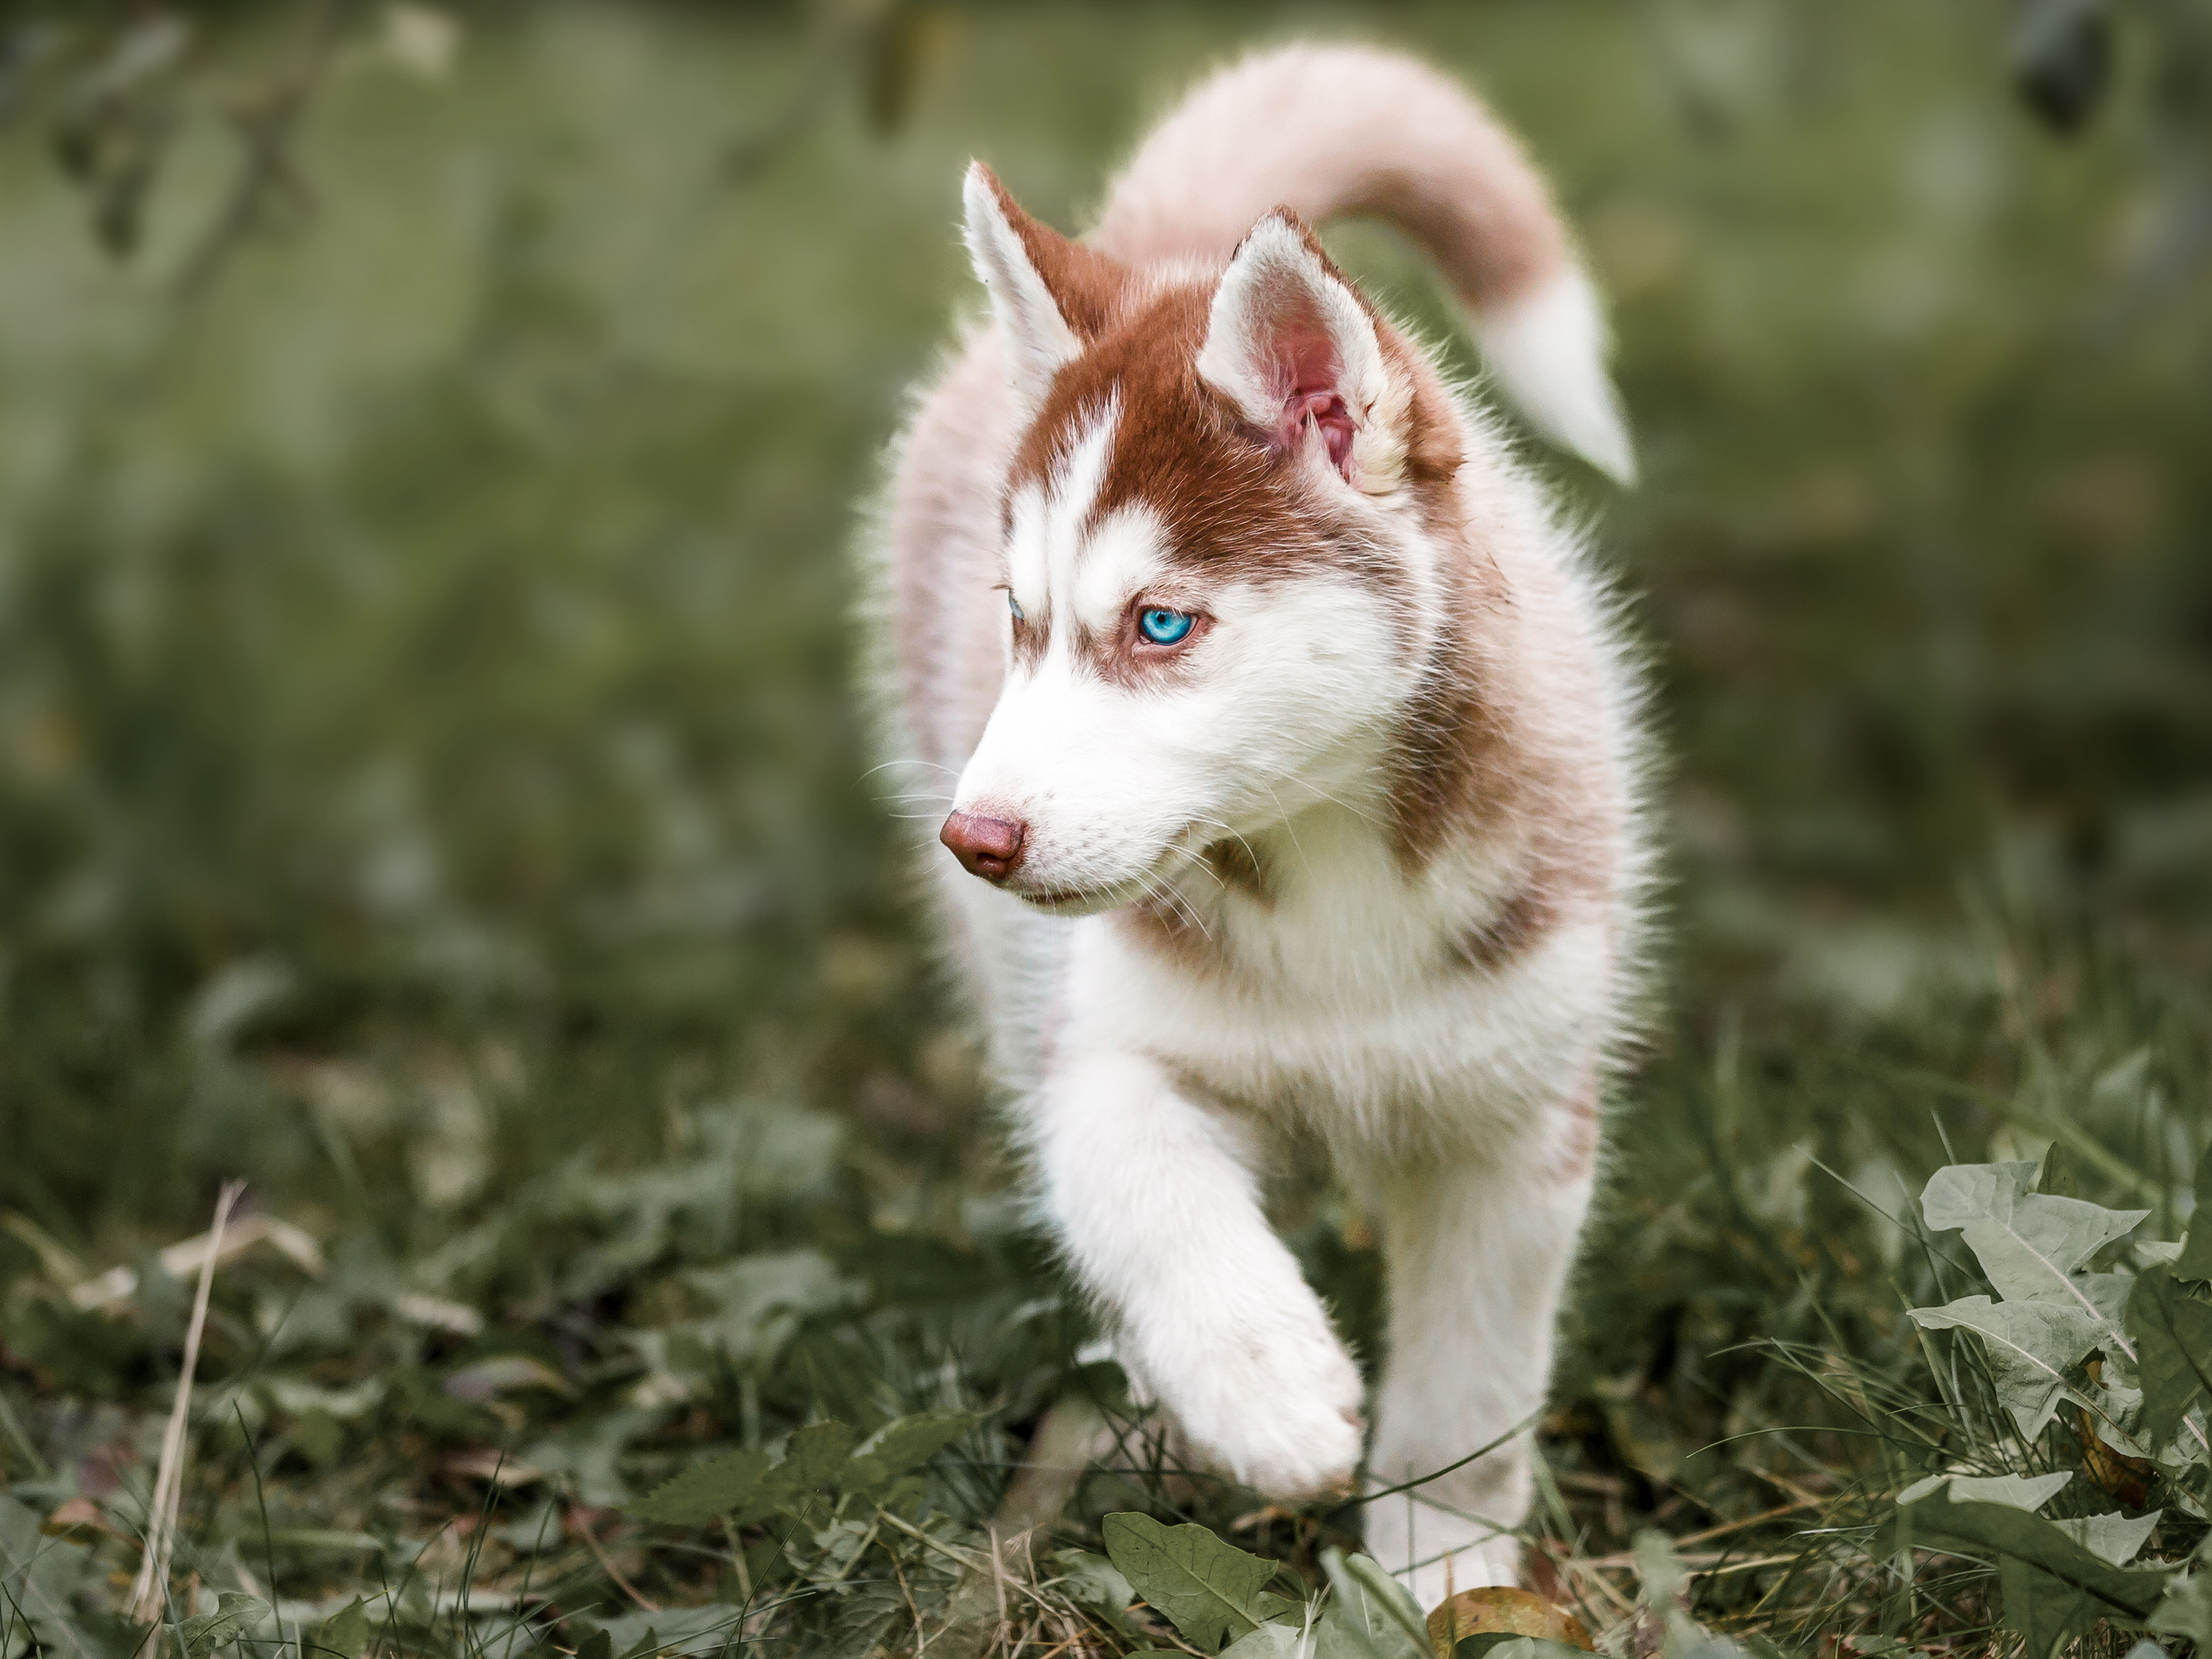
<point>1273,1402</point>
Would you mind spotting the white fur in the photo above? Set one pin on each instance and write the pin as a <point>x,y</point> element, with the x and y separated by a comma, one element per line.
<point>1547,351</point>
<point>1438,1100</point>
<point>1041,342</point>
<point>1273,265</point>
<point>1152,1097</point>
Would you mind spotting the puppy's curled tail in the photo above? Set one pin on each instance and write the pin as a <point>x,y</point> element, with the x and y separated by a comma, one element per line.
<point>1334,130</point>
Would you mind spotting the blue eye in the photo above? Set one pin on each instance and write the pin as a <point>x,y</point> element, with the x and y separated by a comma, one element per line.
<point>1164,627</point>
<point>1015,605</point>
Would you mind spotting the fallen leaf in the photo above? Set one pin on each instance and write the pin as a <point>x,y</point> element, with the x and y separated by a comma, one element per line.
<point>1505,1612</point>
<point>80,1520</point>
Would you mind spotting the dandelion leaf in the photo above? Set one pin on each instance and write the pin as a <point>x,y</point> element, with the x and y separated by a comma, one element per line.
<point>2194,1262</point>
<point>2030,1347</point>
<point>2173,1358</point>
<point>2047,1612</point>
<point>2186,1609</point>
<point>2029,1244</point>
<point>2019,1491</point>
<point>1936,1522</point>
<point>344,1633</point>
<point>1207,1589</point>
<point>2112,1537</point>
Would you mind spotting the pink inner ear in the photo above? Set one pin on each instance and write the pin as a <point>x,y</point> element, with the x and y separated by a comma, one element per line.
<point>1326,409</point>
<point>1305,372</point>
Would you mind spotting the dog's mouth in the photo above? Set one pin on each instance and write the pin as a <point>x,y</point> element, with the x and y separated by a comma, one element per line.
<point>1077,901</point>
<point>1107,896</point>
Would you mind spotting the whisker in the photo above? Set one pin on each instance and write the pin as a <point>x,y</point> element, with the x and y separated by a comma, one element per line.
<point>1238,836</point>
<point>1168,893</point>
<point>910,760</point>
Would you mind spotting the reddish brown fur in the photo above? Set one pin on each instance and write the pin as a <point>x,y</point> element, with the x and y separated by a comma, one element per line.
<point>1580,1126</point>
<point>1235,507</point>
<point>1521,918</point>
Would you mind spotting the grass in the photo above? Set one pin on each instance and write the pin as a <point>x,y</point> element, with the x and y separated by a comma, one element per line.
<point>430,792</point>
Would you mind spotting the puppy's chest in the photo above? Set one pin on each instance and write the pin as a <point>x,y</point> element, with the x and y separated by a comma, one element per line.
<point>1373,1019</point>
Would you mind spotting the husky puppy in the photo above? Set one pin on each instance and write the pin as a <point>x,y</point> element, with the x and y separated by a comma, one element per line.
<point>1298,758</point>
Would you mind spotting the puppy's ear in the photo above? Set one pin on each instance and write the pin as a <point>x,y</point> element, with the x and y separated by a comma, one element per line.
<point>1291,345</point>
<point>1049,294</point>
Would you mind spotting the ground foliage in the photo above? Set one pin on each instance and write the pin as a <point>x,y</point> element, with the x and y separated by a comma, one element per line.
<point>429,791</point>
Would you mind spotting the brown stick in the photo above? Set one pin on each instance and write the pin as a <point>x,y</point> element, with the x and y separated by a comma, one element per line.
<point>151,1590</point>
<point>607,1563</point>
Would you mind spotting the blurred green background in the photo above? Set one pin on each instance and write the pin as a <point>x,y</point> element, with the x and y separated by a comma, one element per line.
<point>427,745</point>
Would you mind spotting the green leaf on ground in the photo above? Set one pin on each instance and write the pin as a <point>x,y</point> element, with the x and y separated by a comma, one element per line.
<point>721,1485</point>
<point>2194,1261</point>
<point>236,1616</point>
<point>2186,1609</point>
<point>1382,1603</point>
<point>2173,1358</point>
<point>747,1485</point>
<point>1207,1589</point>
<point>814,1456</point>
<point>2047,1612</point>
<point>41,1577</point>
<point>901,1444</point>
<point>1498,1644</point>
<point>1093,1582</point>
<point>2030,1345</point>
<point>1934,1522</point>
<point>2020,1492</point>
<point>344,1633</point>
<point>1266,1641</point>
<point>1358,1625</point>
<point>2114,1537</point>
<point>2029,1243</point>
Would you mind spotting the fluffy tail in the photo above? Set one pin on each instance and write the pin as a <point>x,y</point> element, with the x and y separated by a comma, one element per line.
<point>1334,130</point>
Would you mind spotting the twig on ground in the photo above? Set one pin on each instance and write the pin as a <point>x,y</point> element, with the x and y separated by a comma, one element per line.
<point>606,1563</point>
<point>999,1578</point>
<point>920,1635</point>
<point>150,1591</point>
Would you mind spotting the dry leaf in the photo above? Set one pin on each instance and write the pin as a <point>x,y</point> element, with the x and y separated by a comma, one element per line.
<point>1508,1613</point>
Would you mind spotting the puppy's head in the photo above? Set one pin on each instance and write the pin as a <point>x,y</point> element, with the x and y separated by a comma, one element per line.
<point>1218,555</point>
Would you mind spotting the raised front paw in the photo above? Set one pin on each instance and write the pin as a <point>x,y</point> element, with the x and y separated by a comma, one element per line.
<point>1275,1403</point>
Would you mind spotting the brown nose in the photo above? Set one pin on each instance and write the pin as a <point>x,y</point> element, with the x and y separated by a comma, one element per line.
<point>989,847</point>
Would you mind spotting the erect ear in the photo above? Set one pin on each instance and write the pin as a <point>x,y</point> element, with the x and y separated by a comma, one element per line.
<point>1291,345</point>
<point>1048,294</point>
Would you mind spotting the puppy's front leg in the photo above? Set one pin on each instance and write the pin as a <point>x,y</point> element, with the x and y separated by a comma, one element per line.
<point>1155,1200</point>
